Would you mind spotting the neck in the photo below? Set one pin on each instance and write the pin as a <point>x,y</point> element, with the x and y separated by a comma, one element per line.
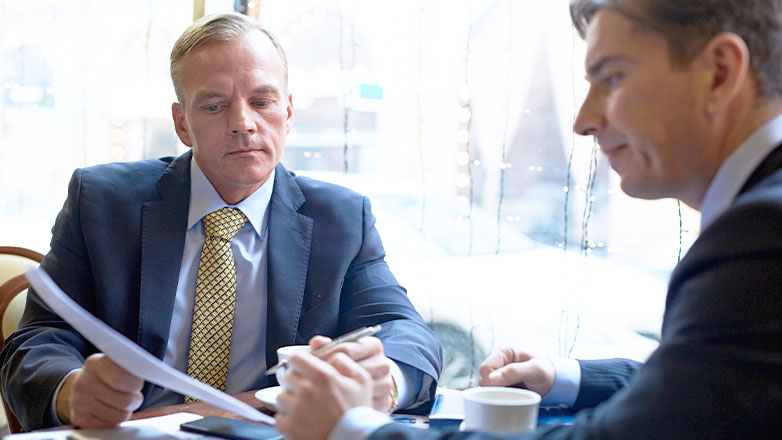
<point>234,196</point>
<point>730,131</point>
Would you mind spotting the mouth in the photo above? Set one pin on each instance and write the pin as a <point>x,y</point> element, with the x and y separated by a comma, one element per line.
<point>245,152</point>
<point>613,150</point>
<point>612,153</point>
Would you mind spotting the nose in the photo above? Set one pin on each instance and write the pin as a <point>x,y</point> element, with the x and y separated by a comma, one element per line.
<point>591,118</point>
<point>241,119</point>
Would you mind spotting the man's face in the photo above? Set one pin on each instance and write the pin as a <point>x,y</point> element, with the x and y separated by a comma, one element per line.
<point>236,112</point>
<point>645,112</point>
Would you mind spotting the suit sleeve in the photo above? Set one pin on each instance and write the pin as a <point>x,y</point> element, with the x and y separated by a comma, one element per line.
<point>600,379</point>
<point>371,295</point>
<point>44,349</point>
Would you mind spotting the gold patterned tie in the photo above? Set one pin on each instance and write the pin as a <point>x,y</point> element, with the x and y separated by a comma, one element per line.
<point>213,312</point>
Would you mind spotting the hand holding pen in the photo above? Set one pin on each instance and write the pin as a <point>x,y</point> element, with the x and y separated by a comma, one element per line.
<point>353,336</point>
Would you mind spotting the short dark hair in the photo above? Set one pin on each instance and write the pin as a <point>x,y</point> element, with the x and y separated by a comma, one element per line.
<point>688,25</point>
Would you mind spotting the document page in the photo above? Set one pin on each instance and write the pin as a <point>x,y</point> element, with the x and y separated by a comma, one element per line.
<point>156,428</point>
<point>130,356</point>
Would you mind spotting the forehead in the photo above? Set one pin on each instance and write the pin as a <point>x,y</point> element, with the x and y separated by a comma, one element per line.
<point>611,34</point>
<point>251,55</point>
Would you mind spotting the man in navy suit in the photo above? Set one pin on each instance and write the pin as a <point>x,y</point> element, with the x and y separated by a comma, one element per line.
<point>127,246</point>
<point>685,100</point>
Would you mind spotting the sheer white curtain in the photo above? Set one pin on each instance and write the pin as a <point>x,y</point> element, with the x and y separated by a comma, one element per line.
<point>454,117</point>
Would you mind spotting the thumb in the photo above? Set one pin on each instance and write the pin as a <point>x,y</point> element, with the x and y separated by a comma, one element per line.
<point>513,374</point>
<point>506,376</point>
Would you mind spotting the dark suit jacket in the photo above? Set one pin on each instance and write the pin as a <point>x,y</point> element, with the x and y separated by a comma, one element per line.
<point>718,370</point>
<point>117,249</point>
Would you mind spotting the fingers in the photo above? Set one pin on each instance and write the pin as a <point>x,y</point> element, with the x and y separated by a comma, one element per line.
<point>501,358</point>
<point>536,374</point>
<point>349,368</point>
<point>318,341</point>
<point>365,347</point>
<point>378,365</point>
<point>99,395</point>
<point>112,375</point>
<point>318,393</point>
<point>305,374</point>
<point>368,354</point>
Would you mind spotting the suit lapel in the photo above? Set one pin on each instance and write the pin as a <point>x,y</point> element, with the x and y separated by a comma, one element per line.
<point>163,227</point>
<point>289,236</point>
<point>771,164</point>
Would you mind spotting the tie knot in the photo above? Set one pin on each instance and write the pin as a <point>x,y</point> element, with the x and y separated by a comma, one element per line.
<point>224,223</point>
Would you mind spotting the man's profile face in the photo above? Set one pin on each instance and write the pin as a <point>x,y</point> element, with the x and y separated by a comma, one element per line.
<point>642,109</point>
<point>236,112</point>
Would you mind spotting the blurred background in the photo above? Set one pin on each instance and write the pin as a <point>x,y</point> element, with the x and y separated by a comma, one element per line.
<point>453,117</point>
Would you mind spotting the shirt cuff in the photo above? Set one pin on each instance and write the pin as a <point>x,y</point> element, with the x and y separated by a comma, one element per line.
<point>359,423</point>
<point>567,380</point>
<point>57,393</point>
<point>408,380</point>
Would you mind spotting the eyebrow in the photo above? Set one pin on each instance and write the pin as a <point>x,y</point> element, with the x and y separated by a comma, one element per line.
<point>268,89</point>
<point>594,69</point>
<point>204,96</point>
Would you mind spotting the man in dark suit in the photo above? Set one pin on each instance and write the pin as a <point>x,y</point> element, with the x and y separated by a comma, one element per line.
<point>685,100</point>
<point>128,243</point>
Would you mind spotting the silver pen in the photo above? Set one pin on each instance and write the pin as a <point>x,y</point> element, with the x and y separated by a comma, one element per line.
<point>353,336</point>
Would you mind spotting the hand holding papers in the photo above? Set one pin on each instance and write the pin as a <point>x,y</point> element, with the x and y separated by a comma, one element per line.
<point>130,356</point>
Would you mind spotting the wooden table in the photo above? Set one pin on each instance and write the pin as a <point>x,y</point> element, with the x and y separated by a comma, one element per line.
<point>203,409</point>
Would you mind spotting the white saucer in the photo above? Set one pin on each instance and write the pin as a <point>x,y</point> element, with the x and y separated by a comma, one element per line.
<point>268,396</point>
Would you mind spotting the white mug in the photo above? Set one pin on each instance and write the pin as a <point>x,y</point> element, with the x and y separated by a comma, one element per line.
<point>500,410</point>
<point>285,353</point>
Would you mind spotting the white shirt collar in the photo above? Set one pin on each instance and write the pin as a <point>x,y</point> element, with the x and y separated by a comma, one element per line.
<point>737,168</point>
<point>205,199</point>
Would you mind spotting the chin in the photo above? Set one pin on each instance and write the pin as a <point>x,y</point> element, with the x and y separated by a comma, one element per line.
<point>258,175</point>
<point>641,189</point>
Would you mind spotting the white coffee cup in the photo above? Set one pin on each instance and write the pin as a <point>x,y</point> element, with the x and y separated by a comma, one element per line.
<point>500,410</point>
<point>285,353</point>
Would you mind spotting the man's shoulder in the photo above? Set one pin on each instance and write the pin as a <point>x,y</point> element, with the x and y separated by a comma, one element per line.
<point>755,213</point>
<point>314,189</point>
<point>140,169</point>
<point>122,181</point>
<point>743,241</point>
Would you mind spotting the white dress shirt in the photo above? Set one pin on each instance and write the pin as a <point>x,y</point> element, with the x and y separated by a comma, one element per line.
<point>249,249</point>
<point>737,168</point>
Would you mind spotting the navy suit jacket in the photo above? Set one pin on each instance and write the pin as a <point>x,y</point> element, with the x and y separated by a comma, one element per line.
<point>718,370</point>
<point>117,249</point>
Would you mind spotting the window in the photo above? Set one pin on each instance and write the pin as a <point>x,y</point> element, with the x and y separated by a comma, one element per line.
<point>454,117</point>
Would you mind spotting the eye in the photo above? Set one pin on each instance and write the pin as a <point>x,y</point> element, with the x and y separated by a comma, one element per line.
<point>262,103</point>
<point>611,80</point>
<point>212,108</point>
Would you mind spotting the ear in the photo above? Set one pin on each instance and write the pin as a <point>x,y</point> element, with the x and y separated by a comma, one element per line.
<point>178,113</point>
<point>726,58</point>
<point>289,119</point>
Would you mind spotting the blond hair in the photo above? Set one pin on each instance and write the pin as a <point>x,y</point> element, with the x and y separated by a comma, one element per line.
<point>218,27</point>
